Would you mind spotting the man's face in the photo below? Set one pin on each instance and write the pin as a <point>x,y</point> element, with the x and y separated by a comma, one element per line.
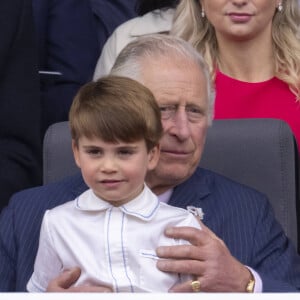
<point>181,92</point>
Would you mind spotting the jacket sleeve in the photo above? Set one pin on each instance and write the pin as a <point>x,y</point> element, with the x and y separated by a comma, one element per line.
<point>274,256</point>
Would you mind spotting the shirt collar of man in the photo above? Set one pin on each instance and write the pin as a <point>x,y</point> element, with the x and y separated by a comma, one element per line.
<point>166,196</point>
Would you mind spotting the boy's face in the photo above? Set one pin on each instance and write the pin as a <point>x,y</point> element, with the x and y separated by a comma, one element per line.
<point>115,172</point>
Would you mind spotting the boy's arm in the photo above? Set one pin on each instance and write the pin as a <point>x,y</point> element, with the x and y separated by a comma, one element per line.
<point>47,262</point>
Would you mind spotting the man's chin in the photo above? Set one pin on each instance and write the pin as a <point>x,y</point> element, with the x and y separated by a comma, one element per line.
<point>162,179</point>
<point>173,174</point>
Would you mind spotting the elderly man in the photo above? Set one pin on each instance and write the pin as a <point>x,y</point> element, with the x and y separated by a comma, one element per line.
<point>244,250</point>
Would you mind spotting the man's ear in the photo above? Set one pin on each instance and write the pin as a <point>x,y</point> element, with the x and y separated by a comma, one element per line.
<point>153,157</point>
<point>76,152</point>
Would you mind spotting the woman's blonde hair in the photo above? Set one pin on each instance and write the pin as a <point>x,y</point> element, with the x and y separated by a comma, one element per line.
<point>192,27</point>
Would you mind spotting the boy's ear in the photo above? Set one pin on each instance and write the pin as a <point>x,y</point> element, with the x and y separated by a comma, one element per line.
<point>76,153</point>
<point>153,157</point>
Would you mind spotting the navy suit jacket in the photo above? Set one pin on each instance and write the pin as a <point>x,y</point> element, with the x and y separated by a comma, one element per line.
<point>109,14</point>
<point>20,141</point>
<point>70,35</point>
<point>67,43</point>
<point>239,215</point>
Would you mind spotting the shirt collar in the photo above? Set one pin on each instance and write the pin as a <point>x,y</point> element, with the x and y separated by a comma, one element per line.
<point>166,196</point>
<point>144,206</point>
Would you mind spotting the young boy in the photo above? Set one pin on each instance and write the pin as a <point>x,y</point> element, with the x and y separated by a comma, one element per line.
<point>111,231</point>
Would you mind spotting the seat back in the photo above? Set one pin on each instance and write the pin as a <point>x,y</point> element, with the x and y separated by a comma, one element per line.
<point>58,159</point>
<point>260,153</point>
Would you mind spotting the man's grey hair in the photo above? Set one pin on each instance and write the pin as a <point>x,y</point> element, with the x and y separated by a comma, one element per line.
<point>129,62</point>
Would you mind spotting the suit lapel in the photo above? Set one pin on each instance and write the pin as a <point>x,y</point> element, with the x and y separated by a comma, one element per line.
<point>78,186</point>
<point>192,191</point>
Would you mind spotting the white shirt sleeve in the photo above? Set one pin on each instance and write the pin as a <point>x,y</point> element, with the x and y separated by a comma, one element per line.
<point>258,282</point>
<point>47,263</point>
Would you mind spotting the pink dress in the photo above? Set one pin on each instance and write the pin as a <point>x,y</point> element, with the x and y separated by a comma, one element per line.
<point>267,99</point>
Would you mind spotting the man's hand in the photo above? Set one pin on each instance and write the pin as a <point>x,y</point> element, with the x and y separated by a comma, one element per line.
<point>64,282</point>
<point>207,259</point>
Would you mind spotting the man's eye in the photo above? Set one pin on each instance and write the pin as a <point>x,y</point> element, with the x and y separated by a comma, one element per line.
<point>167,108</point>
<point>194,112</point>
<point>192,109</point>
<point>167,111</point>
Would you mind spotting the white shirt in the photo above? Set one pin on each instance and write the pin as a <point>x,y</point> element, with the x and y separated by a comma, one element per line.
<point>113,246</point>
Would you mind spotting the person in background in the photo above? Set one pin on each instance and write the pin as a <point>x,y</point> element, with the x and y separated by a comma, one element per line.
<point>20,141</point>
<point>154,17</point>
<point>241,247</point>
<point>109,14</point>
<point>247,45</point>
<point>115,127</point>
<point>143,7</point>
<point>70,36</point>
<point>68,46</point>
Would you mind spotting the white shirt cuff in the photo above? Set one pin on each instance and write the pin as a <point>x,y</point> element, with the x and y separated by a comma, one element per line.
<point>258,282</point>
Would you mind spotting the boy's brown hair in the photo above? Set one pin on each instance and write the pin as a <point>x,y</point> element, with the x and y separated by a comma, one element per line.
<point>116,108</point>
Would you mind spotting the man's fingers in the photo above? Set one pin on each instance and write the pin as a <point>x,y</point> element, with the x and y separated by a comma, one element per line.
<point>180,266</point>
<point>89,289</point>
<point>206,229</point>
<point>64,280</point>
<point>181,252</point>
<point>184,287</point>
<point>193,235</point>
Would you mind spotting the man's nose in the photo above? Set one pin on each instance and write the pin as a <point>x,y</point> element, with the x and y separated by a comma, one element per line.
<point>181,125</point>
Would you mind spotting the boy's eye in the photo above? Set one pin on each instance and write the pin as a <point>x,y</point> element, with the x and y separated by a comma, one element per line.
<point>93,151</point>
<point>126,151</point>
